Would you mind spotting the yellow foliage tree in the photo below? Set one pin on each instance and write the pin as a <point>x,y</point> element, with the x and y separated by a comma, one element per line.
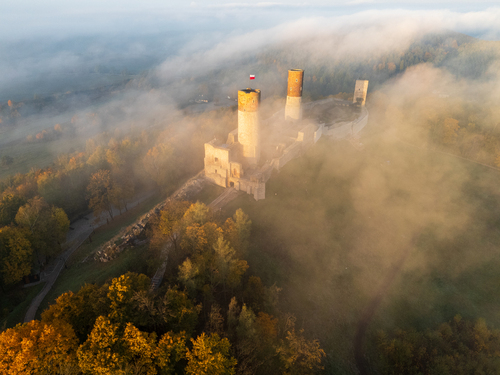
<point>121,292</point>
<point>15,254</point>
<point>170,350</point>
<point>450,130</point>
<point>300,356</point>
<point>140,350</point>
<point>210,356</point>
<point>100,354</point>
<point>38,348</point>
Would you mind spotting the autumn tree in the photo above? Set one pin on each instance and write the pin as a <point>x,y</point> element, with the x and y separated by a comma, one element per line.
<point>210,355</point>
<point>450,130</point>
<point>168,226</point>
<point>102,353</point>
<point>99,193</point>
<point>47,226</point>
<point>139,350</point>
<point>170,311</point>
<point>237,231</point>
<point>121,293</point>
<point>9,206</point>
<point>38,348</point>
<point>16,254</point>
<point>299,355</point>
<point>123,189</point>
<point>80,309</point>
<point>171,349</point>
<point>457,347</point>
<point>159,164</point>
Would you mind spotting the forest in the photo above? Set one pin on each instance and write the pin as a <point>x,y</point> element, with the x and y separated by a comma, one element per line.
<point>277,286</point>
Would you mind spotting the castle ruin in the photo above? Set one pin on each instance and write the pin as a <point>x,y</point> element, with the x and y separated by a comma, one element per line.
<point>255,148</point>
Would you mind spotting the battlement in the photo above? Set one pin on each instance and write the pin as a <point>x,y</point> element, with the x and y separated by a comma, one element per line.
<point>248,100</point>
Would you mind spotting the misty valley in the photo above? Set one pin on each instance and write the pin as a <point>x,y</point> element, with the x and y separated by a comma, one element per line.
<point>337,213</point>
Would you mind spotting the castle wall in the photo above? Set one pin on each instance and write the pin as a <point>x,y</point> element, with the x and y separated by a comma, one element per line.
<point>249,124</point>
<point>349,128</point>
<point>293,108</point>
<point>217,163</point>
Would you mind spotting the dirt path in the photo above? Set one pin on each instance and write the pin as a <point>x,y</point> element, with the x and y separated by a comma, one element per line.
<point>366,317</point>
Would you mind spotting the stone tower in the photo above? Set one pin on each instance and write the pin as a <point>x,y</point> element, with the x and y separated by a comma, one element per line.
<point>293,109</point>
<point>249,124</point>
<point>360,91</point>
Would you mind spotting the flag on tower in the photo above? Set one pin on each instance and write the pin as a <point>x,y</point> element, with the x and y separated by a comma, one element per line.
<point>252,76</point>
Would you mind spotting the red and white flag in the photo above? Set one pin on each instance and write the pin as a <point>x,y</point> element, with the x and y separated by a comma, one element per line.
<point>252,76</point>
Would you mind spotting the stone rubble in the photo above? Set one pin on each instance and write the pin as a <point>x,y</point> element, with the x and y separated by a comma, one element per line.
<point>135,234</point>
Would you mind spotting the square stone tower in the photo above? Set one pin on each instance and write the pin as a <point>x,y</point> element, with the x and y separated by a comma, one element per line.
<point>360,91</point>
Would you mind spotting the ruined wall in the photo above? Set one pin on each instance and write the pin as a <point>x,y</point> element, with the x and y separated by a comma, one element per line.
<point>249,124</point>
<point>293,108</point>
<point>360,91</point>
<point>217,163</point>
<point>319,132</point>
<point>348,129</point>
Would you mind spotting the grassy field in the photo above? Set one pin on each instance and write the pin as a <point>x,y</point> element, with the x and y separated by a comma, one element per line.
<point>35,155</point>
<point>336,221</point>
<point>208,194</point>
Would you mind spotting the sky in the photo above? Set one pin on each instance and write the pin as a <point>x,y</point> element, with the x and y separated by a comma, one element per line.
<point>60,18</point>
<point>43,38</point>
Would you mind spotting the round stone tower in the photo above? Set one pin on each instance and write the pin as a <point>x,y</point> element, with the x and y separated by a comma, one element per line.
<point>293,109</point>
<point>248,124</point>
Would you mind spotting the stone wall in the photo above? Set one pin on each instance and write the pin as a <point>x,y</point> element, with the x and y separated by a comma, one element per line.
<point>348,129</point>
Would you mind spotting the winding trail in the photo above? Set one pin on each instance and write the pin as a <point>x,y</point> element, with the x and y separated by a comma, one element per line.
<point>369,312</point>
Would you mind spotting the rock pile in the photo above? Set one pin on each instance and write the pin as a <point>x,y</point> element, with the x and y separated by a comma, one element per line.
<point>135,234</point>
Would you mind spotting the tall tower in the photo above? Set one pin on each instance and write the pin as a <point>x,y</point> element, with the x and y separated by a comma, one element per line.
<point>293,108</point>
<point>248,124</point>
<point>360,91</point>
